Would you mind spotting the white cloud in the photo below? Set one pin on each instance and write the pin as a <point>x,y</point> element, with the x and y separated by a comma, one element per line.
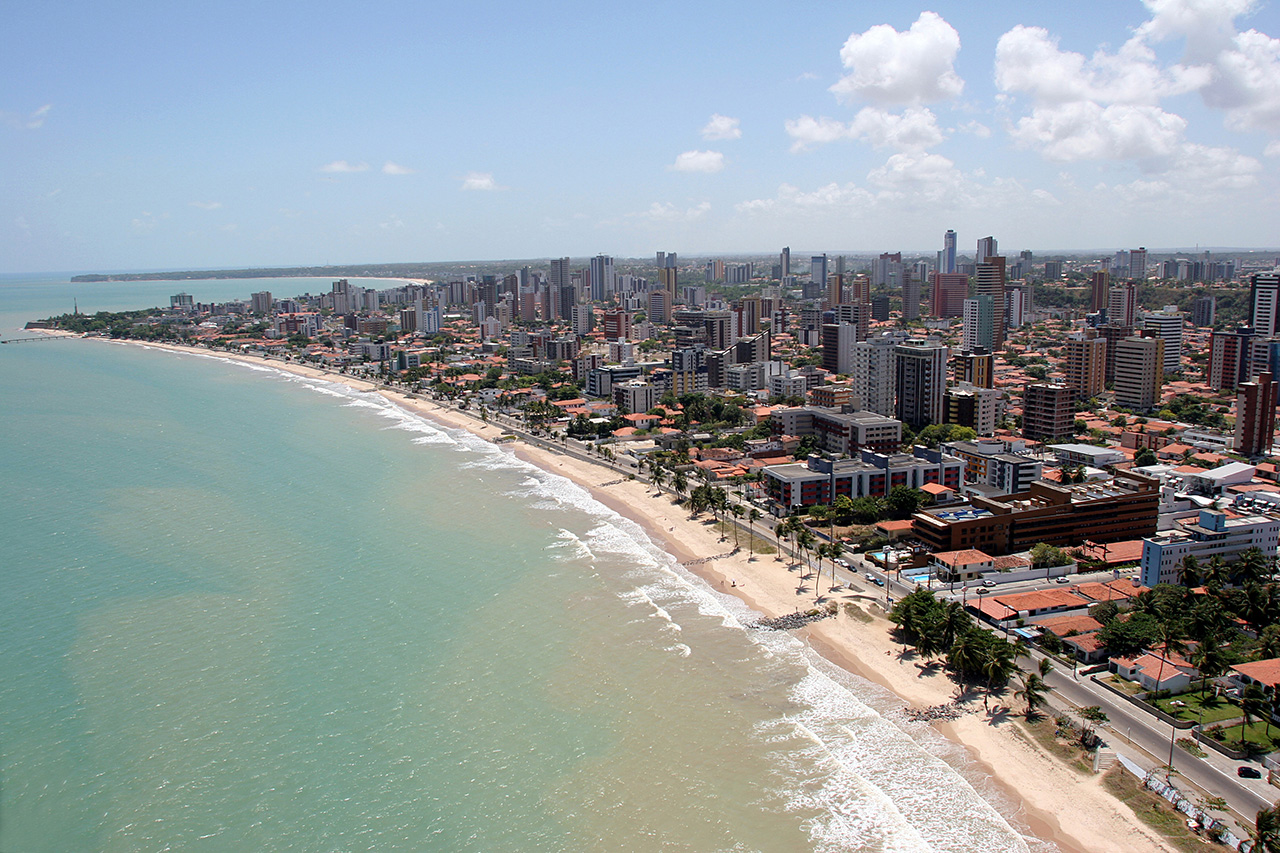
<point>1207,25</point>
<point>342,166</point>
<point>914,128</point>
<point>391,223</point>
<point>792,200</point>
<point>1201,166</point>
<point>721,127</point>
<point>1246,83</point>
<point>207,205</point>
<point>916,168</point>
<point>1273,149</point>
<point>977,128</point>
<point>1085,130</point>
<point>891,67</point>
<point>698,161</point>
<point>30,121</point>
<point>389,168</point>
<point>667,212</point>
<point>1028,60</point>
<point>480,181</point>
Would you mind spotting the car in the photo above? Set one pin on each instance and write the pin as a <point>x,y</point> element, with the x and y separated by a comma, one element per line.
<point>988,583</point>
<point>1063,580</point>
<point>871,577</point>
<point>1244,771</point>
<point>879,582</point>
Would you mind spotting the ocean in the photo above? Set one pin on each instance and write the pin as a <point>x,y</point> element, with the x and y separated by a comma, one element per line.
<point>245,610</point>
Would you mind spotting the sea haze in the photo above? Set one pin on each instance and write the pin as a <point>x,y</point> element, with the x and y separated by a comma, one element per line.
<point>247,610</point>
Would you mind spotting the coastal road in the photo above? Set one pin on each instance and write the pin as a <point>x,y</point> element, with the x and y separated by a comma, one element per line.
<point>1132,727</point>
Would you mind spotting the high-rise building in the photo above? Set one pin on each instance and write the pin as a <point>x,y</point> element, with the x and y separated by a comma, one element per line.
<point>948,263</point>
<point>260,303</point>
<point>785,257</point>
<point>617,325</point>
<point>818,272</point>
<point>973,407</point>
<point>857,313</point>
<point>975,367</point>
<point>947,294</point>
<point>857,288</point>
<point>874,372</point>
<point>838,340</point>
<point>601,278</point>
<point>669,278</point>
<point>561,277</point>
<point>1113,334</point>
<point>921,382</point>
<point>583,319</point>
<point>880,308</point>
<point>990,282</point>
<point>1264,303</point>
<point>886,270</point>
<point>1139,373</point>
<point>1053,271</point>
<point>1048,411</point>
<point>1204,310</point>
<point>1099,286</point>
<point>987,249</point>
<point>1166,324</point>
<point>1256,417</point>
<point>1122,304</point>
<point>1086,364</point>
<point>979,323</point>
<point>910,296</point>
<point>1230,358</point>
<point>659,303</point>
<point>1138,264</point>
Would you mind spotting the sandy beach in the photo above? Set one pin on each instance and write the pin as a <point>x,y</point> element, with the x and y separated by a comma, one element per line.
<point>1059,804</point>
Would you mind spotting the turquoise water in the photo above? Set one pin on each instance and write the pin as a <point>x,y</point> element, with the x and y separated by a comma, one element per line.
<point>247,611</point>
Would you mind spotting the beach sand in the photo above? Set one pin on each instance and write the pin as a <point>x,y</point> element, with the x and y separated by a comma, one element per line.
<point>1059,803</point>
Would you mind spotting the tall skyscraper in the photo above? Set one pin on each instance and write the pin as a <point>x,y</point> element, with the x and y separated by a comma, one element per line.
<point>561,276</point>
<point>1204,310</point>
<point>948,264</point>
<point>1230,358</point>
<point>921,382</point>
<point>857,289</point>
<point>1264,303</point>
<point>1099,286</point>
<point>818,272</point>
<point>1138,264</point>
<point>1122,304</point>
<point>990,282</point>
<point>875,372</point>
<point>979,323</point>
<point>1048,411</point>
<point>947,294</point>
<point>786,260</point>
<point>838,340</point>
<point>601,278</point>
<point>1256,416</point>
<point>1166,325</point>
<point>1086,364</point>
<point>910,295</point>
<point>1113,334</point>
<point>986,249</point>
<point>976,368</point>
<point>1139,373</point>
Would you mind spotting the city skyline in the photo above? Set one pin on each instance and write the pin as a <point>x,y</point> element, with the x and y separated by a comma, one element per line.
<point>139,137</point>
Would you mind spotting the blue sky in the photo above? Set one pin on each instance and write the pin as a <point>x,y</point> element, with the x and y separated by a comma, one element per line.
<point>150,135</point>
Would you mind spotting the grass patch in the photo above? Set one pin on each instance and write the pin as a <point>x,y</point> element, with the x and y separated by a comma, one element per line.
<point>745,542</point>
<point>1044,733</point>
<point>1124,685</point>
<point>1215,708</point>
<point>1155,811</point>
<point>854,611</point>
<point>1256,736</point>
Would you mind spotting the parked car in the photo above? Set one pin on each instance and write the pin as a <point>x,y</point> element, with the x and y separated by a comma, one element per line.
<point>1244,771</point>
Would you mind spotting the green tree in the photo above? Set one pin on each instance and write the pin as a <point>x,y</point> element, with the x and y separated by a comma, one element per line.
<point>1144,457</point>
<point>1266,830</point>
<point>1125,637</point>
<point>904,501</point>
<point>1032,692</point>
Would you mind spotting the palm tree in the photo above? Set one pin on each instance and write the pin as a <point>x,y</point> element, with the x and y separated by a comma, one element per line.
<point>1032,692</point>
<point>1252,703</point>
<point>737,512</point>
<point>1215,576</point>
<point>997,665</point>
<point>1189,573</point>
<point>955,621</point>
<point>680,482</point>
<point>804,541</point>
<point>780,533</point>
<point>753,515</point>
<point>1266,831</point>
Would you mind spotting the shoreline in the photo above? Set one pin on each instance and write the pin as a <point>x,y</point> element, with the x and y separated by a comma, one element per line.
<point>1043,791</point>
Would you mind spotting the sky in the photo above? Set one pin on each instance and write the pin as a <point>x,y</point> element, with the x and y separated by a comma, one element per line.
<point>159,135</point>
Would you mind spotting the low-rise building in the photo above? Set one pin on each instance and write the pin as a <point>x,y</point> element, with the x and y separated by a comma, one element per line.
<point>989,462</point>
<point>839,432</point>
<point>1125,507</point>
<point>821,481</point>
<point>961,566</point>
<point>1214,535</point>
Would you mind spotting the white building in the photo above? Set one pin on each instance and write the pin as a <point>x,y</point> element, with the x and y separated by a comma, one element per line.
<point>1215,535</point>
<point>874,372</point>
<point>1166,324</point>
